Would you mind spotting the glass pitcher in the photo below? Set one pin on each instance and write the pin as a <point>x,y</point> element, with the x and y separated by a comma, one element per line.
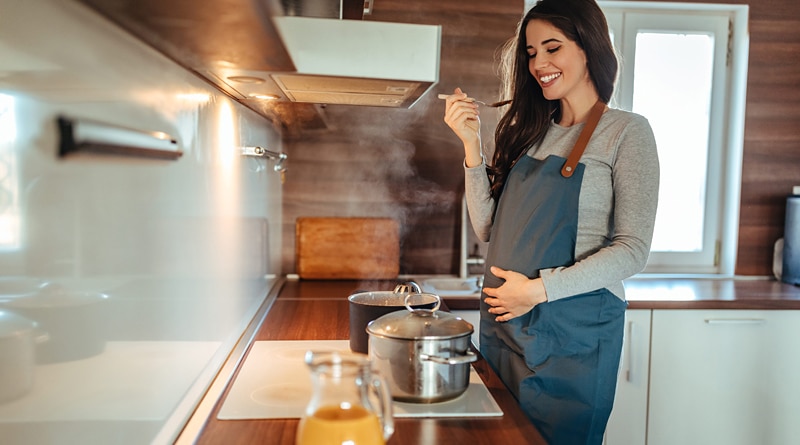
<point>341,410</point>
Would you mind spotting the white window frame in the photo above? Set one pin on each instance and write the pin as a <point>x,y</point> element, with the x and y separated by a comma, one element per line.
<point>726,135</point>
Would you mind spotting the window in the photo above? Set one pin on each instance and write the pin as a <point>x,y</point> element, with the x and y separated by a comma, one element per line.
<point>683,67</point>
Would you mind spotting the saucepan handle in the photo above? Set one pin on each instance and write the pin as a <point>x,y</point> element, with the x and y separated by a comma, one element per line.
<point>468,357</point>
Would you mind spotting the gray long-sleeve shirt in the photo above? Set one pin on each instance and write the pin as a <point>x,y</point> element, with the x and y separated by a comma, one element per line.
<point>617,203</point>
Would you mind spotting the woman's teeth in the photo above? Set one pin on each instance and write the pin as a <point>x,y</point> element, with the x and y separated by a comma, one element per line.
<point>549,77</point>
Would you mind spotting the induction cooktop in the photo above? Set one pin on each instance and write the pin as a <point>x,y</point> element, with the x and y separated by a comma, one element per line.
<point>275,383</point>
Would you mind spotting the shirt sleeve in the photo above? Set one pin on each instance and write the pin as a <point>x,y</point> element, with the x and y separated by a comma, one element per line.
<point>635,176</point>
<point>480,203</point>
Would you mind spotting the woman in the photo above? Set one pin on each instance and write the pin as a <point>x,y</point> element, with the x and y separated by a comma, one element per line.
<point>563,235</point>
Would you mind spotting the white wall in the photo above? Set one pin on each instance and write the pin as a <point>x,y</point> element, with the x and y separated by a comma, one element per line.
<point>184,250</point>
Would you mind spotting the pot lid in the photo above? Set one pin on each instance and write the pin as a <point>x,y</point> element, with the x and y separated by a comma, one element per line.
<point>12,324</point>
<point>415,324</point>
<point>394,298</point>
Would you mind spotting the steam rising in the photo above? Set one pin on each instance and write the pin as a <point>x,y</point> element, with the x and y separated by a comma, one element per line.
<point>365,162</point>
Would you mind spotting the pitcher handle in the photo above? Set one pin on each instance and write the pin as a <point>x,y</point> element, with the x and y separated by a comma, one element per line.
<point>386,415</point>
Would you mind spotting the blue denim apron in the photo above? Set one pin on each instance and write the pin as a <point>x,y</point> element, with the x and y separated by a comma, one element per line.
<point>560,360</point>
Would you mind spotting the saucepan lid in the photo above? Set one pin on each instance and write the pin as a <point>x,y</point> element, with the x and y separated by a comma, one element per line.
<point>416,324</point>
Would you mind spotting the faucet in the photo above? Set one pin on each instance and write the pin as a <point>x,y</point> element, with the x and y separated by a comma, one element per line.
<point>409,287</point>
<point>475,257</point>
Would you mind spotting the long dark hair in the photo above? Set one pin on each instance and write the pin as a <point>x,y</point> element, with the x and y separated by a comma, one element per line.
<point>528,117</point>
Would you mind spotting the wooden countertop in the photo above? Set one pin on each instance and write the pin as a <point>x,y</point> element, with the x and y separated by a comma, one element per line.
<point>318,310</point>
<point>695,293</point>
<point>711,293</point>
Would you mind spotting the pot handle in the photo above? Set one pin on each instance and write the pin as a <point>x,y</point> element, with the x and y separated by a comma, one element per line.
<point>469,357</point>
<point>431,310</point>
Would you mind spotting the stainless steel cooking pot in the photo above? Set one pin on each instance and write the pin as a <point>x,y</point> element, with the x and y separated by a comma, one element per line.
<point>368,306</point>
<point>423,354</point>
<point>18,337</point>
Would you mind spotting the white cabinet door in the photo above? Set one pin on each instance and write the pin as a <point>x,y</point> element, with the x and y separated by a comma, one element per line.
<point>473,316</point>
<point>724,377</point>
<point>628,422</point>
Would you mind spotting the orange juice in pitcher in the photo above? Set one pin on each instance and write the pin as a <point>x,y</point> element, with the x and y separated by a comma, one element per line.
<point>341,409</point>
<point>337,425</point>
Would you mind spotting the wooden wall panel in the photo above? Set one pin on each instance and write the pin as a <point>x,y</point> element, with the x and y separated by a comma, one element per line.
<point>404,164</point>
<point>771,163</point>
<point>407,164</point>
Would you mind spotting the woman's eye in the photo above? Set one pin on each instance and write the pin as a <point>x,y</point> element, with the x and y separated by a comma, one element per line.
<point>531,56</point>
<point>552,50</point>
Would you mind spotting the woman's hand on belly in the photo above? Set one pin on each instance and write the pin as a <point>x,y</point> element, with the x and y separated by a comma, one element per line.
<point>516,296</point>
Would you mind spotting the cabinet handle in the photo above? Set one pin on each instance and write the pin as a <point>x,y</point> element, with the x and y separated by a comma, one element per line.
<point>631,335</point>
<point>735,321</point>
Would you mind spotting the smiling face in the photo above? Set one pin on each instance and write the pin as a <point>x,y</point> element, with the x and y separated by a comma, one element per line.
<point>557,63</point>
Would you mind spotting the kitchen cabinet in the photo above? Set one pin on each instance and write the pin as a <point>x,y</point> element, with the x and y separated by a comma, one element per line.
<point>473,316</point>
<point>724,377</point>
<point>628,422</point>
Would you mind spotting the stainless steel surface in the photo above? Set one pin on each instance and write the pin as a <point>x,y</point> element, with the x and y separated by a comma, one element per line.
<point>80,136</point>
<point>488,104</point>
<point>424,355</point>
<point>364,307</point>
<point>358,62</point>
<point>408,287</point>
<point>412,378</point>
<point>469,357</point>
<point>420,324</point>
<point>269,154</point>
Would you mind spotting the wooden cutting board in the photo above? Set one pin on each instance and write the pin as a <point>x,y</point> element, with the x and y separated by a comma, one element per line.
<point>347,248</point>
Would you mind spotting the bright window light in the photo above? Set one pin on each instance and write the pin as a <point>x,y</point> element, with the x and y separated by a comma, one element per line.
<point>672,87</point>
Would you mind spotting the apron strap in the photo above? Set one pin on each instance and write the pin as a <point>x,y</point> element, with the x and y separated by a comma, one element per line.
<point>577,151</point>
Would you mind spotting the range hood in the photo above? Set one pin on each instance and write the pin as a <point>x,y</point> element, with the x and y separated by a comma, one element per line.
<point>256,49</point>
<point>358,62</point>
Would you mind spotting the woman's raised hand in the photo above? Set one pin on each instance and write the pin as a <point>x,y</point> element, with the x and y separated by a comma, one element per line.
<point>461,115</point>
